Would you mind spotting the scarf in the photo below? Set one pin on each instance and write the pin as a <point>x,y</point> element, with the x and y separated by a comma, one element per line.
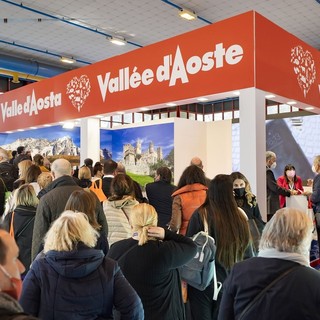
<point>292,256</point>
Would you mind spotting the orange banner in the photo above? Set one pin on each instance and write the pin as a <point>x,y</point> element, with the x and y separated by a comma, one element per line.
<point>286,65</point>
<point>212,59</point>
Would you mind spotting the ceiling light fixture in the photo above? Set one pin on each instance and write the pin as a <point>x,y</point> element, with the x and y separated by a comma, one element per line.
<point>67,60</point>
<point>270,96</point>
<point>236,93</point>
<point>187,14</point>
<point>202,99</point>
<point>118,41</point>
<point>309,108</point>
<point>290,103</point>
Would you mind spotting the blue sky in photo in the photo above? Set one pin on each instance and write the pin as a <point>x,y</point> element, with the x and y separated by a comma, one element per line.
<point>49,133</point>
<point>161,135</point>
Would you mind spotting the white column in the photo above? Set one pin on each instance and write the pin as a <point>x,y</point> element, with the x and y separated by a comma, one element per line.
<point>253,143</point>
<point>89,140</point>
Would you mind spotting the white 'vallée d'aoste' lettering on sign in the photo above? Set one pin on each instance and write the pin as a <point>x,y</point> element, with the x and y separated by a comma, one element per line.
<point>179,70</point>
<point>31,106</point>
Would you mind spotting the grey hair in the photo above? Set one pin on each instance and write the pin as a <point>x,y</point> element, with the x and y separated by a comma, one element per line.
<point>270,155</point>
<point>61,167</point>
<point>289,230</point>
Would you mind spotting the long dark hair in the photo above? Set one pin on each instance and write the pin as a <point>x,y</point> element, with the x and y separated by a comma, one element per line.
<point>289,167</point>
<point>230,225</point>
<point>84,201</point>
<point>191,175</point>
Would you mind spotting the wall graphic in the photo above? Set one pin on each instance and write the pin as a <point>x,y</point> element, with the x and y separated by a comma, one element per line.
<point>140,149</point>
<point>294,140</point>
<point>49,141</point>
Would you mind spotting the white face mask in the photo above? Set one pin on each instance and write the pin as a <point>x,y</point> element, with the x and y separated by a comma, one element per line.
<point>273,166</point>
<point>314,169</point>
<point>290,173</point>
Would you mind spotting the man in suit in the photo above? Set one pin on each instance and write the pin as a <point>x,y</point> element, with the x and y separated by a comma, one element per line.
<point>273,190</point>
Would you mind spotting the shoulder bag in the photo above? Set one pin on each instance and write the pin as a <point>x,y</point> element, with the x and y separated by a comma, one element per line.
<point>260,295</point>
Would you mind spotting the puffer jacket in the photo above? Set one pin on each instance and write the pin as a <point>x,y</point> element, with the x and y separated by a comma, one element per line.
<point>118,213</point>
<point>78,285</point>
<point>185,201</point>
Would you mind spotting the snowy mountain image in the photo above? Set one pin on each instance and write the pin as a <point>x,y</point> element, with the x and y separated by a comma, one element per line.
<point>61,146</point>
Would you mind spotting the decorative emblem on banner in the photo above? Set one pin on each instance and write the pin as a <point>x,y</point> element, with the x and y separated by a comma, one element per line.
<point>78,90</point>
<point>304,68</point>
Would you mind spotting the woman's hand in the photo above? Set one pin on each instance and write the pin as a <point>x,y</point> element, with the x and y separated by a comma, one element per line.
<point>156,232</point>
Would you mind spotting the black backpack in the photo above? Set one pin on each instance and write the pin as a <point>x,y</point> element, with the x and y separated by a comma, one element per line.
<point>8,174</point>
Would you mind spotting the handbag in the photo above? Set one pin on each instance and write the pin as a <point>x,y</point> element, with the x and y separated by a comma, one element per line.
<point>255,234</point>
<point>261,293</point>
<point>98,190</point>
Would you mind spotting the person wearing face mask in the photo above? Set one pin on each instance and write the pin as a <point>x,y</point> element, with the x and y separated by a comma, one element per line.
<point>291,182</point>
<point>247,201</point>
<point>273,189</point>
<point>10,281</point>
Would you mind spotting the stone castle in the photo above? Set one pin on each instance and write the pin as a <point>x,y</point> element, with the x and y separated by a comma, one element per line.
<point>137,161</point>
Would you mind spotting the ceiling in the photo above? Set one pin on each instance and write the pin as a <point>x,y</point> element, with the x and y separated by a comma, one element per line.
<point>43,31</point>
<point>79,28</point>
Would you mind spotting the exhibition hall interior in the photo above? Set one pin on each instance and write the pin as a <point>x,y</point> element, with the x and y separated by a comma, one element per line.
<point>153,152</point>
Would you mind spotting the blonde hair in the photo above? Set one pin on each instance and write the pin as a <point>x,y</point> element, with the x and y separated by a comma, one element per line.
<point>44,179</point>
<point>26,196</point>
<point>68,230</point>
<point>270,155</point>
<point>84,173</point>
<point>23,166</point>
<point>289,230</point>
<point>316,161</point>
<point>143,216</point>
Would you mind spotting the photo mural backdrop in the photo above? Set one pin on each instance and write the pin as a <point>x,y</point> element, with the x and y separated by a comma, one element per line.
<point>294,140</point>
<point>141,149</point>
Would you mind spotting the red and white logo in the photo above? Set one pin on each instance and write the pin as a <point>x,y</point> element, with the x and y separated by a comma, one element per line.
<point>78,90</point>
<point>304,68</point>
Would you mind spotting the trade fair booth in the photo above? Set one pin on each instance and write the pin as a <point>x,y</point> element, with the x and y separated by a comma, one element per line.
<point>245,53</point>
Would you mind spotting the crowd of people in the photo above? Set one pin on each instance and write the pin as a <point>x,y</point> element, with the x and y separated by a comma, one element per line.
<point>92,244</point>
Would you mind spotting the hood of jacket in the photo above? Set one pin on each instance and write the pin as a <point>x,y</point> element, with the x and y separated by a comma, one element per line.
<point>74,264</point>
<point>9,304</point>
<point>190,188</point>
<point>125,202</point>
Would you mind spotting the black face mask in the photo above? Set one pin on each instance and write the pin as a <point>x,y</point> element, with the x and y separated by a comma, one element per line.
<point>239,192</point>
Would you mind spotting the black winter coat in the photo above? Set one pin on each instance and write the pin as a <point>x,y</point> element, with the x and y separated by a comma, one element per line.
<point>295,297</point>
<point>23,222</point>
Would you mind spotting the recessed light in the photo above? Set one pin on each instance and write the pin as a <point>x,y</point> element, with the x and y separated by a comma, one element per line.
<point>202,99</point>
<point>237,93</point>
<point>309,108</point>
<point>144,109</point>
<point>20,130</point>
<point>33,128</point>
<point>290,103</point>
<point>47,125</point>
<point>270,96</point>
<point>9,131</point>
<point>171,104</point>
